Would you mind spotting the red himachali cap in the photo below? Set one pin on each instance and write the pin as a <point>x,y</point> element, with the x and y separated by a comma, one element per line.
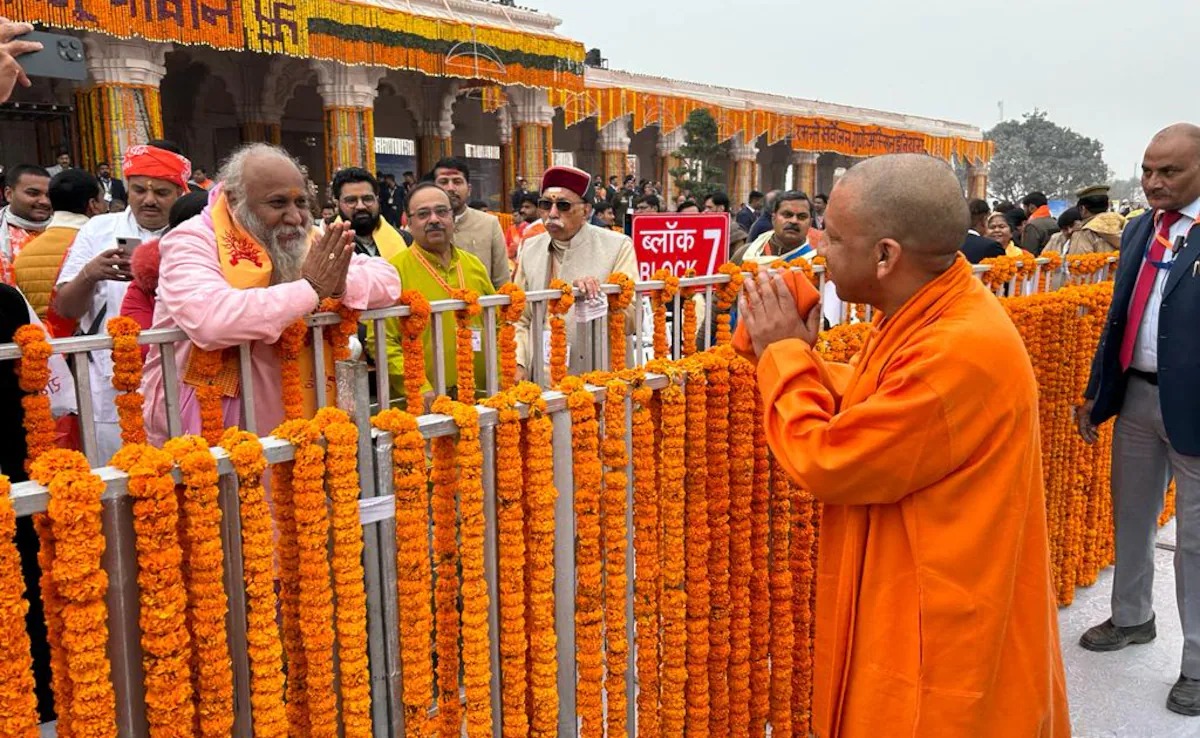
<point>569,178</point>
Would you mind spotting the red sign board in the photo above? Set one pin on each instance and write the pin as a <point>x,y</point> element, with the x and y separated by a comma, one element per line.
<point>680,241</point>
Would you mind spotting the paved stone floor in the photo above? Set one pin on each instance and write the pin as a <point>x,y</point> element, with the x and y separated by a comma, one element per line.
<point>1123,694</point>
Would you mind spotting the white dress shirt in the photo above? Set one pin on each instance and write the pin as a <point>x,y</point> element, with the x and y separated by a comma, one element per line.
<point>1145,348</point>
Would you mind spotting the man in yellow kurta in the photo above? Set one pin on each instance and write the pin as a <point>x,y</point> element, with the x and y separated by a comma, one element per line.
<point>435,267</point>
<point>935,615</point>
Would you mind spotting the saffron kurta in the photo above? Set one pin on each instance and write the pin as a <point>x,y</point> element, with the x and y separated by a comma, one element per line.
<point>935,615</point>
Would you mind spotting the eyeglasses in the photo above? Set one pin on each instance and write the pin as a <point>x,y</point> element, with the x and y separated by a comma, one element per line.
<point>352,200</point>
<point>441,212</point>
<point>562,205</point>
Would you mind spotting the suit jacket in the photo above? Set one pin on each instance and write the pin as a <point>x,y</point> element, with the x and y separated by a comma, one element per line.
<point>1178,339</point>
<point>117,190</point>
<point>480,233</point>
<point>977,248</point>
<point>746,217</point>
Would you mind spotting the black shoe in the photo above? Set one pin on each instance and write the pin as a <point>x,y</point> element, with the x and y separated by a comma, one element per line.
<point>1109,637</point>
<point>1185,697</point>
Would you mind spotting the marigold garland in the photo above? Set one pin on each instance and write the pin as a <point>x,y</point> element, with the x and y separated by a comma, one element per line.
<point>688,332</point>
<point>33,375</point>
<point>411,328</point>
<point>338,336</point>
<point>464,355</point>
<point>783,636</point>
<point>616,319</point>
<point>740,447</point>
<point>558,330</point>
<point>803,554</point>
<point>166,641</point>
<point>540,498</point>
<point>727,295</point>
<point>127,378</point>
<point>291,343</point>
<point>716,365</point>
<point>476,654</point>
<point>674,602</point>
<point>205,365</point>
<point>761,632</point>
<point>614,533</point>
<point>207,607</point>
<point>263,644</point>
<point>1087,264</point>
<point>283,501</point>
<point>444,477</point>
<point>510,525</point>
<point>658,303</point>
<point>1003,269</point>
<point>52,607</point>
<point>18,705</point>
<point>507,341</point>
<point>646,552</point>
<point>74,510</point>
<point>696,556</point>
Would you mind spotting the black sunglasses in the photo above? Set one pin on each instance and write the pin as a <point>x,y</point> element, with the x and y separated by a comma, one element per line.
<point>562,205</point>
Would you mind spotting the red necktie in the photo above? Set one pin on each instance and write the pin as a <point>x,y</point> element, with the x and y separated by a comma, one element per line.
<point>1145,284</point>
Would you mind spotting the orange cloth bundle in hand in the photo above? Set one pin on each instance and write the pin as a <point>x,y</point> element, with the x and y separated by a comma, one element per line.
<point>806,297</point>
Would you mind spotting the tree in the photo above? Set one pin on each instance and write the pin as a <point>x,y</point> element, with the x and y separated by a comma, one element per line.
<point>698,171</point>
<point>1038,154</point>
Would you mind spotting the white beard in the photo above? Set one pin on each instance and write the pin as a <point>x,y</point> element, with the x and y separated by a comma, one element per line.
<point>287,254</point>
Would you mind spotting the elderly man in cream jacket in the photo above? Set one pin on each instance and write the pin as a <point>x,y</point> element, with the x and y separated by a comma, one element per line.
<point>579,254</point>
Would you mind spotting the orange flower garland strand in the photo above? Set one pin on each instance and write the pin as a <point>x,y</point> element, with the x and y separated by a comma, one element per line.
<point>464,356</point>
<point>411,328</point>
<point>696,555</point>
<point>206,365</point>
<point>507,341</point>
<point>761,587</point>
<point>645,543</point>
<point>33,375</point>
<point>166,642</point>
<point>207,603</point>
<point>614,532</point>
<point>283,501</point>
<point>476,652</point>
<point>675,637</point>
<point>414,579</point>
<point>716,362</point>
<point>74,510</point>
<point>127,378</point>
<point>18,704</point>
<point>658,303</point>
<point>616,319</point>
<point>783,635</point>
<point>741,482</point>
<point>52,607</point>
<point>726,297</point>
<point>444,477</point>
<point>803,555</point>
<point>558,330</point>
<point>262,633</point>
<point>540,498</point>
<point>510,524</point>
<point>291,343</point>
<point>687,323</point>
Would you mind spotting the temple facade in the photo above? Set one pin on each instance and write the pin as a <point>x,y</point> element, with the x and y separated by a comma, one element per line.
<point>393,85</point>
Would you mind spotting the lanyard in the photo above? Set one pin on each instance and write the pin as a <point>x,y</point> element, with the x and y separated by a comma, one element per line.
<point>416,251</point>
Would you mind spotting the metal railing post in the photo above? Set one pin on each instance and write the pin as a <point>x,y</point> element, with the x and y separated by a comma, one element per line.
<point>564,571</point>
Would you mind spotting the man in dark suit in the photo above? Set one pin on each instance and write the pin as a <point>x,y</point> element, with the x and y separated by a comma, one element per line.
<point>1145,372</point>
<point>977,248</point>
<point>112,189</point>
<point>750,211</point>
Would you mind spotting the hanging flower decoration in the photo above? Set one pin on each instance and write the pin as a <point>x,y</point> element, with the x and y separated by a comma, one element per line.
<point>617,305</point>
<point>558,330</point>
<point>507,341</point>
<point>262,640</point>
<point>727,295</point>
<point>339,335</point>
<point>33,376</point>
<point>205,366</point>
<point>166,641</point>
<point>80,580</point>
<point>1087,264</point>
<point>782,642</point>
<point>761,634</point>
<point>675,553</point>
<point>741,482</point>
<point>207,604</point>
<point>510,526</point>
<point>646,555</point>
<point>803,554</point>
<point>283,501</point>
<point>52,608</point>
<point>698,546</point>
<point>18,704</point>
<point>291,343</point>
<point>444,477</point>
<point>464,356</point>
<point>613,539</point>
<point>715,364</point>
<point>687,330</point>
<point>127,378</point>
<point>414,579</point>
<point>411,328</point>
<point>658,303</point>
<point>540,499</point>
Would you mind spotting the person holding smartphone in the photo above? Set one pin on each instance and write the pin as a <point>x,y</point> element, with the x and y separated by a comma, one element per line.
<point>11,47</point>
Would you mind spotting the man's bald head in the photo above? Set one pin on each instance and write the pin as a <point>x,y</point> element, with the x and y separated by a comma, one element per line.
<point>913,199</point>
<point>1171,167</point>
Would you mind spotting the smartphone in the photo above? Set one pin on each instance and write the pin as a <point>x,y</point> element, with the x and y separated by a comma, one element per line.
<point>128,245</point>
<point>61,56</point>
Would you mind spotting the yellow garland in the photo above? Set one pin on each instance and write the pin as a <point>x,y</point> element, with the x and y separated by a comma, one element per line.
<point>558,330</point>
<point>414,579</point>
<point>645,542</point>
<point>444,478</point>
<point>476,654</point>
<point>262,633</point>
<point>127,378</point>
<point>212,673</point>
<point>507,341</point>
<point>411,328</point>
<point>510,525</point>
<point>658,302</point>
<point>166,642</point>
<point>674,601</point>
<point>741,567</point>
<point>33,375</point>
<point>698,546</point>
<point>464,356</point>
<point>18,705</point>
<point>613,539</point>
<point>74,510</point>
<point>616,319</point>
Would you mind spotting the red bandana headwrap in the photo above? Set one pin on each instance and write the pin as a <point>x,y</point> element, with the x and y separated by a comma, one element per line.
<point>151,161</point>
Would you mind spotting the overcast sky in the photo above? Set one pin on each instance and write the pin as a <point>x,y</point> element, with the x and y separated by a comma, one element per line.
<point>1115,71</point>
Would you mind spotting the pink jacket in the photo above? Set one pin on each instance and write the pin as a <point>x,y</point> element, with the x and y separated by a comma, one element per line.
<point>193,295</point>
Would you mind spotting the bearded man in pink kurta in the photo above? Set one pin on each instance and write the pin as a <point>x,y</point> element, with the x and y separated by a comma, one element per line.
<point>242,272</point>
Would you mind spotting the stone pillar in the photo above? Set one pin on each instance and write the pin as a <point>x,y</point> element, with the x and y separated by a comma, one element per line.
<point>435,128</point>
<point>977,181</point>
<point>508,162</point>
<point>120,105</point>
<point>533,133</point>
<point>614,150</point>
<point>745,169</point>
<point>262,131</point>
<point>668,146</point>
<point>349,101</point>
<point>805,179</point>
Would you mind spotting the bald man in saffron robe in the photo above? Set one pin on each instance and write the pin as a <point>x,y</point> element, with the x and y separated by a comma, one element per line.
<point>935,614</point>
